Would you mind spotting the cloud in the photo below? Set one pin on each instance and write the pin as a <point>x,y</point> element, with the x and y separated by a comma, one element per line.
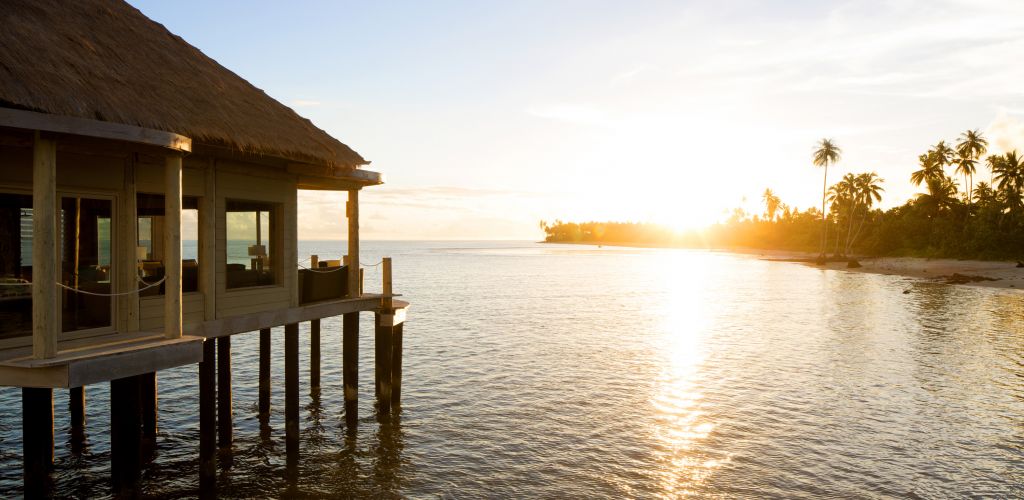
<point>305,103</point>
<point>1005,133</point>
<point>578,114</point>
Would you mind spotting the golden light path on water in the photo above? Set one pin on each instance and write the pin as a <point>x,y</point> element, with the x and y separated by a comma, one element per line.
<point>687,318</point>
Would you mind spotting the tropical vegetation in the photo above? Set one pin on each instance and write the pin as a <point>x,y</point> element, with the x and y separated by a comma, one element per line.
<point>947,218</point>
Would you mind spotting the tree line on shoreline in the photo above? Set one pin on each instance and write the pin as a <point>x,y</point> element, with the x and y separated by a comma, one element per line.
<point>983,220</point>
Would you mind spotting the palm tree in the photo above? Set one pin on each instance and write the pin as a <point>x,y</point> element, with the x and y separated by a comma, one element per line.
<point>771,204</point>
<point>984,195</point>
<point>869,190</point>
<point>972,146</point>
<point>930,168</point>
<point>826,153</point>
<point>965,167</point>
<point>1009,178</point>
<point>942,154</point>
<point>940,196</point>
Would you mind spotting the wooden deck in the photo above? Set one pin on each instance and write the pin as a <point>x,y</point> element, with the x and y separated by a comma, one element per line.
<point>117,355</point>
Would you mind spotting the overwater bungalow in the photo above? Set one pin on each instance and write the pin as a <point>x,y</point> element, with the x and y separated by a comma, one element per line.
<point>113,131</point>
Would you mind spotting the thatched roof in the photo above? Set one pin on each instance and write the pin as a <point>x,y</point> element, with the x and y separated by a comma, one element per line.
<point>105,60</point>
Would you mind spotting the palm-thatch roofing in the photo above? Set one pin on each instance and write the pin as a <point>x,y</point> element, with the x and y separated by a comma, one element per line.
<point>105,60</point>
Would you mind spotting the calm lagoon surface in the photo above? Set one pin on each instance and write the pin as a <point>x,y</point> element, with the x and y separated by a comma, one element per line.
<point>575,371</point>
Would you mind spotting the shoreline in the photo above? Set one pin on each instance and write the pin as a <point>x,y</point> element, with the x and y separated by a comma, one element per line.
<point>982,273</point>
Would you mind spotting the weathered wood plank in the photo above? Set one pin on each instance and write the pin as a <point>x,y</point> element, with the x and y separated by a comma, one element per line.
<point>45,307</point>
<point>92,128</point>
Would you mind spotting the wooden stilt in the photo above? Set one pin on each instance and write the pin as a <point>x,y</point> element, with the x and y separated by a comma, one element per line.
<point>314,355</point>
<point>264,388</point>
<point>207,420</point>
<point>396,367</point>
<point>224,423</point>
<point>125,436</point>
<point>350,366</point>
<point>291,394</point>
<point>382,364</point>
<point>150,405</point>
<point>37,439</point>
<point>76,407</point>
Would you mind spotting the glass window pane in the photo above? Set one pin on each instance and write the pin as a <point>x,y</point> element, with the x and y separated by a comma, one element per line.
<point>150,246</point>
<point>15,265</point>
<point>85,266</point>
<point>250,242</point>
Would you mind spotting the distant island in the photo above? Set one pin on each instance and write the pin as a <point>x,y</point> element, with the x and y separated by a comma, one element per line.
<point>983,221</point>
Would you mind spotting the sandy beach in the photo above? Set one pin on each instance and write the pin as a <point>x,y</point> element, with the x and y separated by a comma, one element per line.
<point>992,274</point>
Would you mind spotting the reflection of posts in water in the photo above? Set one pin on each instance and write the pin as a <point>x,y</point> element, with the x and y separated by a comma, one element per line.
<point>388,460</point>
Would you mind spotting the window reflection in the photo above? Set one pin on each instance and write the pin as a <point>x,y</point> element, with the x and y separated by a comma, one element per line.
<point>15,265</point>
<point>85,263</point>
<point>150,249</point>
<point>250,243</point>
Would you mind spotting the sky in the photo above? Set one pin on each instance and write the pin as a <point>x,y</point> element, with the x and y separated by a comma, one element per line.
<point>487,117</point>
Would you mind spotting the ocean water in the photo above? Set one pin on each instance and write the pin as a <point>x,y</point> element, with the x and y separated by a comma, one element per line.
<point>559,371</point>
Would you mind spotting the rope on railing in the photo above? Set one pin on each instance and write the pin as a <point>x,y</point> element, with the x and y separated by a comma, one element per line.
<point>319,271</point>
<point>129,292</point>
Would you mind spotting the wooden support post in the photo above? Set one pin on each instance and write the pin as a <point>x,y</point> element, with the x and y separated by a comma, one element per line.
<point>208,242</point>
<point>45,305</point>
<point>396,367</point>
<point>350,366</point>
<point>382,364</point>
<point>125,436</point>
<point>264,382</point>
<point>386,301</point>
<point>208,420</point>
<point>291,394</point>
<point>314,355</point>
<point>172,247</point>
<point>224,424</point>
<point>37,439</point>
<point>76,407</point>
<point>148,396</point>
<point>353,243</point>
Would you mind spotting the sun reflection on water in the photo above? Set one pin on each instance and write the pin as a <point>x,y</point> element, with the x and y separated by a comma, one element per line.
<point>681,418</point>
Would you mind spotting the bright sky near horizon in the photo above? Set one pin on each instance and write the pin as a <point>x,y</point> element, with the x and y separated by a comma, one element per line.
<point>486,117</point>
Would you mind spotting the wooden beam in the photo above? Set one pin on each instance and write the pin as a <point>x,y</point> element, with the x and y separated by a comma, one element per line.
<point>125,436</point>
<point>382,365</point>
<point>291,395</point>
<point>149,400</point>
<point>208,420</point>
<point>172,247</point>
<point>353,243</point>
<point>264,374</point>
<point>208,243</point>
<point>386,299</point>
<point>46,122</point>
<point>76,407</point>
<point>224,420</point>
<point>396,367</point>
<point>350,367</point>
<point>45,258</point>
<point>314,356</point>
<point>127,266</point>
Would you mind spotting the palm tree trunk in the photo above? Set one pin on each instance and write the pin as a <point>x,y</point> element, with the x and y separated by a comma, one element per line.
<point>849,230</point>
<point>824,227</point>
